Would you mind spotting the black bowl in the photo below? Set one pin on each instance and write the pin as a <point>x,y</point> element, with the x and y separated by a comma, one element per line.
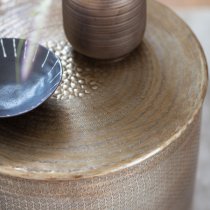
<point>24,89</point>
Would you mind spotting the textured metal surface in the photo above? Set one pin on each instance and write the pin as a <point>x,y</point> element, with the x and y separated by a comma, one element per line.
<point>164,182</point>
<point>132,144</point>
<point>198,19</point>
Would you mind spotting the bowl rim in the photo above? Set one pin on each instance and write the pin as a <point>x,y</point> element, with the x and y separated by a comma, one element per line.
<point>47,96</point>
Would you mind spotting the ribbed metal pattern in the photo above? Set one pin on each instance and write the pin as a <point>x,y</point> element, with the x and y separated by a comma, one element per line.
<point>104,29</point>
<point>130,144</point>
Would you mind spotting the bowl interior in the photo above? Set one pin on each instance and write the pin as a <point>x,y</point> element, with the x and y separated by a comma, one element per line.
<point>29,74</point>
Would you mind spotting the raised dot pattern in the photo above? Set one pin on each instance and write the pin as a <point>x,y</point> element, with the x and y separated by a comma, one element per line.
<point>77,81</point>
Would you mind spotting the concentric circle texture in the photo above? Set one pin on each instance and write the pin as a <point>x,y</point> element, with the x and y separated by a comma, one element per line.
<point>142,104</point>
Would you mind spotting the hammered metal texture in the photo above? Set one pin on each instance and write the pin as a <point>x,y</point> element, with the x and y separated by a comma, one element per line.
<point>131,144</point>
<point>164,182</point>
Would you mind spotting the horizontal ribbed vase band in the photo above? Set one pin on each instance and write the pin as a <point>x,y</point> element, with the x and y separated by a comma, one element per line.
<point>104,30</point>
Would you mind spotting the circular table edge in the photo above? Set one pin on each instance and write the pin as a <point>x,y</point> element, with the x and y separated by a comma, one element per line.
<point>24,174</point>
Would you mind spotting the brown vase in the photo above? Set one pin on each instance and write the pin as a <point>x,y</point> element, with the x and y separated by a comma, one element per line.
<point>104,29</point>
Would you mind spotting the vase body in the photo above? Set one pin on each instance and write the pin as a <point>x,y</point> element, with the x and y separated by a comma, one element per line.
<point>104,29</point>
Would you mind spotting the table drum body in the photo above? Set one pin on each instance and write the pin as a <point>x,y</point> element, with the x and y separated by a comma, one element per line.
<point>130,142</point>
